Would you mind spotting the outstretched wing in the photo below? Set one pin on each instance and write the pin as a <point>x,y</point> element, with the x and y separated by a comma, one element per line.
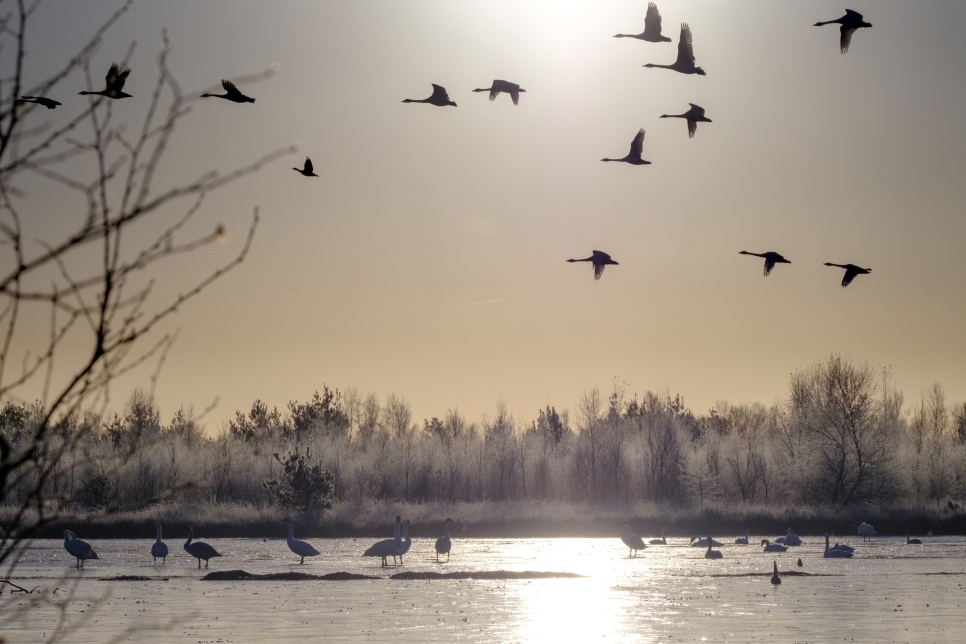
<point>229,87</point>
<point>439,93</point>
<point>308,165</point>
<point>696,111</point>
<point>637,147</point>
<point>598,270</point>
<point>854,15</point>
<point>850,274</point>
<point>117,84</point>
<point>515,95</point>
<point>692,128</point>
<point>769,264</point>
<point>112,74</point>
<point>652,21</point>
<point>846,39</point>
<point>685,45</point>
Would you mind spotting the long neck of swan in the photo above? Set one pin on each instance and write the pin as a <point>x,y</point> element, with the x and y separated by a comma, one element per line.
<point>159,533</point>
<point>395,534</point>
<point>446,531</point>
<point>291,529</point>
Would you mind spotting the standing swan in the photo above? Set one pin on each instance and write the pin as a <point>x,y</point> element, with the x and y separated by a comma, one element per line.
<point>712,554</point>
<point>445,543</point>
<point>771,258</point>
<point>77,548</point>
<point>866,531</point>
<point>631,540</point>
<point>660,542</point>
<point>775,579</point>
<point>160,548</point>
<point>503,86</point>
<point>114,83</point>
<point>850,22</point>
<point>199,549</point>
<point>832,553</point>
<point>406,543</point>
<point>599,259</point>
<point>302,548</point>
<point>851,270</point>
<point>386,547</point>
<point>693,115</point>
<point>685,62</point>
<point>637,147</point>
<point>652,27</point>
<point>439,98</point>
<point>231,94</point>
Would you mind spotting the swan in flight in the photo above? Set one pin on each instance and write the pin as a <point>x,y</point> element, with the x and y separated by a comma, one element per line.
<point>698,542</point>
<point>910,542</point>
<point>693,115</point>
<point>77,548</point>
<point>114,83</point>
<point>771,258</point>
<point>406,543</point>
<point>866,531</point>
<point>637,147</point>
<point>445,543</point>
<point>503,86</point>
<point>685,62</point>
<point>712,554</point>
<point>199,549</point>
<point>659,542</point>
<point>851,21</point>
<point>386,547</point>
<point>49,103</point>
<point>439,98</point>
<point>775,579</point>
<point>302,548</point>
<point>652,27</point>
<point>767,546</point>
<point>599,259</point>
<point>792,539</point>
<point>308,170</point>
<point>232,93</point>
<point>851,270</point>
<point>631,540</point>
<point>159,548</point>
<point>832,553</point>
<point>742,541</point>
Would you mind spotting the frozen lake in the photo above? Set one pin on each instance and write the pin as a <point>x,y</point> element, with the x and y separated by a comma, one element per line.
<point>889,592</point>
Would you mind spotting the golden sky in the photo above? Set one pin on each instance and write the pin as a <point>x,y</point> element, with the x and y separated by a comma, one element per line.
<point>428,258</point>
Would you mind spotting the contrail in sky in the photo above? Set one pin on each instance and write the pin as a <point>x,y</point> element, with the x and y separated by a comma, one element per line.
<point>454,306</point>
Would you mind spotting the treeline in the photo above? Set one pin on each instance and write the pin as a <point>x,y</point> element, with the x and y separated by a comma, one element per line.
<point>843,436</point>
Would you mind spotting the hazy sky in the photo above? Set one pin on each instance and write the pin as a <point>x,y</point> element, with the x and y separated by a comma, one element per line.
<point>368,276</point>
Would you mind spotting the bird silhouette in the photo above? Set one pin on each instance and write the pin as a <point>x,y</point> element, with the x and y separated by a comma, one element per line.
<point>850,22</point>
<point>911,542</point>
<point>114,83</point>
<point>652,27</point>
<point>301,548</point>
<point>77,548</point>
<point>308,169</point>
<point>445,543</point>
<point>503,86</point>
<point>833,553</point>
<point>637,147</point>
<point>866,530</point>
<point>49,103</point>
<point>693,115</point>
<point>685,62</point>
<point>660,542</point>
<point>775,579</point>
<point>199,549</point>
<point>742,541</point>
<point>712,554</point>
<point>767,546</point>
<point>631,540</point>
<point>599,259</point>
<point>771,258</point>
<point>159,548</point>
<point>439,98</point>
<point>851,270</point>
<point>231,93</point>
<point>386,547</point>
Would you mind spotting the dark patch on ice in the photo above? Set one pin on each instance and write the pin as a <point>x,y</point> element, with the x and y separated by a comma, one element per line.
<point>243,575</point>
<point>487,574</point>
<point>132,578</point>
<point>782,573</point>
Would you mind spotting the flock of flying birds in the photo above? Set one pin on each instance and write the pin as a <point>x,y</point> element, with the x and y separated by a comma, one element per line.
<point>684,64</point>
